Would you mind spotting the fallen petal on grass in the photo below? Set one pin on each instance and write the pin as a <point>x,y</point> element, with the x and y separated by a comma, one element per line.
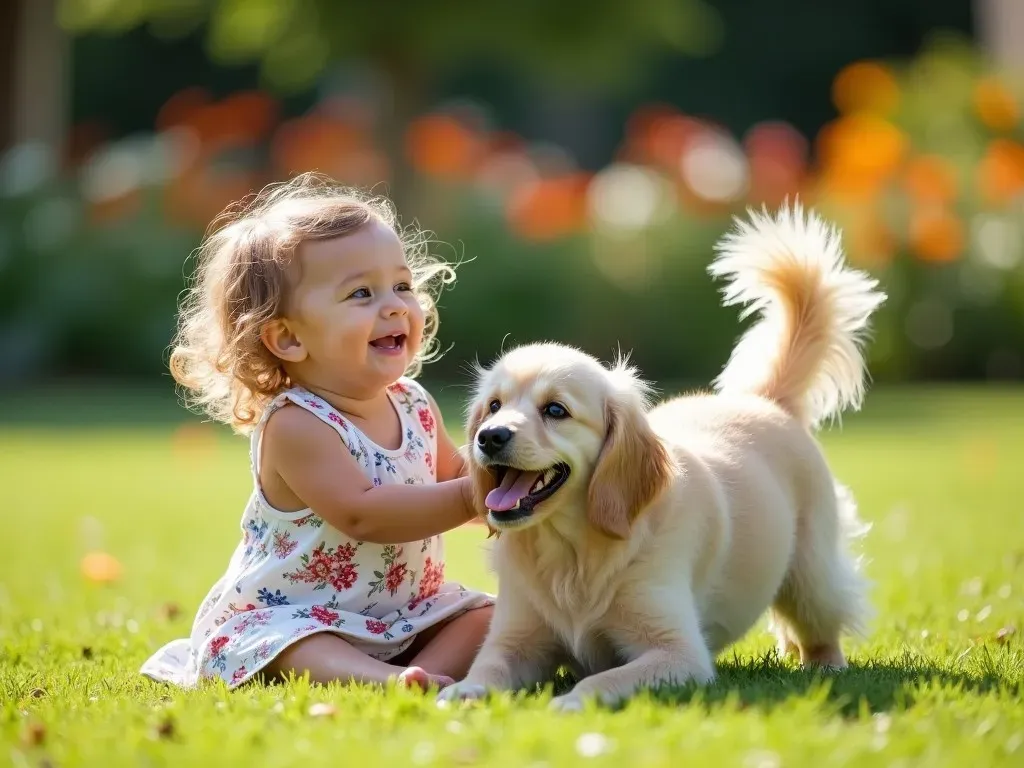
<point>33,735</point>
<point>593,744</point>
<point>1004,634</point>
<point>165,729</point>
<point>101,567</point>
<point>323,709</point>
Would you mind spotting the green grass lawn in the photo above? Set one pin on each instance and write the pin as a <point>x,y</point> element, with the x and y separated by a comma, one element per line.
<point>940,473</point>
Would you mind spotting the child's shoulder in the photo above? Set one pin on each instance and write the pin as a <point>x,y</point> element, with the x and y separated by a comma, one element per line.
<point>293,416</point>
<point>290,422</point>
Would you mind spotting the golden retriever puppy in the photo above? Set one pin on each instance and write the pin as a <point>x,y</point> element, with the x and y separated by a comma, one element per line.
<point>635,544</point>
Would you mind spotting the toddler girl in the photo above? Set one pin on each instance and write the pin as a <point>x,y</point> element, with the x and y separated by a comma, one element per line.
<point>309,316</point>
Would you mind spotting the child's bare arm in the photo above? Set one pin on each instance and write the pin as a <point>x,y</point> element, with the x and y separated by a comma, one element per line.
<point>313,462</point>
<point>450,463</point>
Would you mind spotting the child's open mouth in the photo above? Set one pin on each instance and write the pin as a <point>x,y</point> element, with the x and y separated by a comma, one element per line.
<point>389,345</point>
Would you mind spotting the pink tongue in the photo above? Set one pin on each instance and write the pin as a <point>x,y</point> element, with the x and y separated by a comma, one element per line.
<point>514,485</point>
<point>384,341</point>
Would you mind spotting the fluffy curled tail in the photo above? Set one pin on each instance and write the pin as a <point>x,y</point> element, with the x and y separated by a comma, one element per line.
<point>805,351</point>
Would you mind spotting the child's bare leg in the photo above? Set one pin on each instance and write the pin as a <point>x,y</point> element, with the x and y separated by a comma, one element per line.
<point>453,647</point>
<point>327,658</point>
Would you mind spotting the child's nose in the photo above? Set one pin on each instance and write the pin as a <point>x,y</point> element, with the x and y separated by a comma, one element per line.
<point>394,306</point>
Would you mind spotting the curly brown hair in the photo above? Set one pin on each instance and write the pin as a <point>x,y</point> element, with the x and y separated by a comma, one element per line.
<point>239,285</point>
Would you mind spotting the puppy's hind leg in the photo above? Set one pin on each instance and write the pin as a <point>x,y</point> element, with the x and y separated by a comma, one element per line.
<point>786,644</point>
<point>824,594</point>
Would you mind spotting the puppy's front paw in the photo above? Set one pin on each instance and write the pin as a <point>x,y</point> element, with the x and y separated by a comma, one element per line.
<point>462,691</point>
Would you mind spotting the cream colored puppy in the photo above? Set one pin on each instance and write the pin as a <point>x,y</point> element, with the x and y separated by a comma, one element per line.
<point>636,544</point>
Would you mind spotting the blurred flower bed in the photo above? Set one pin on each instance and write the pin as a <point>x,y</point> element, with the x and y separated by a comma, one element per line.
<point>923,169</point>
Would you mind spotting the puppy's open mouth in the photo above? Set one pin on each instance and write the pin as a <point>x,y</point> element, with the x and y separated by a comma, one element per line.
<point>519,491</point>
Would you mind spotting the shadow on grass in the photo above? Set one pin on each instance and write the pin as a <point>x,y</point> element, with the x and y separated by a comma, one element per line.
<point>874,686</point>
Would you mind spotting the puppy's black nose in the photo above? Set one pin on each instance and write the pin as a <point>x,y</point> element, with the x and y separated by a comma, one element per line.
<point>493,439</point>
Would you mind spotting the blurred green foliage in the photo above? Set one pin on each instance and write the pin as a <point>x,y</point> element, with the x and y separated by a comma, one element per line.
<point>583,40</point>
<point>923,169</point>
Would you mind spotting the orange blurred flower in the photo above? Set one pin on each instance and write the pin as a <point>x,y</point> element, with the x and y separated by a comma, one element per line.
<point>248,115</point>
<point>659,134</point>
<point>314,141</point>
<point>1000,173</point>
<point>201,192</point>
<point>101,567</point>
<point>995,105</point>
<point>865,86</point>
<point>242,118</point>
<point>936,234</point>
<point>859,153</point>
<point>930,179</point>
<point>549,208</point>
<point>869,241</point>
<point>441,145</point>
<point>333,145</point>
<point>182,107</point>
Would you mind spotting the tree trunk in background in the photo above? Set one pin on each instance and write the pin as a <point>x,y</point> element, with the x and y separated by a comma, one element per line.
<point>1000,25</point>
<point>10,14</point>
<point>408,89</point>
<point>34,59</point>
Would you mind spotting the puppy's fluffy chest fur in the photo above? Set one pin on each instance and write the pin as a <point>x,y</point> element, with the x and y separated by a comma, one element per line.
<point>573,586</point>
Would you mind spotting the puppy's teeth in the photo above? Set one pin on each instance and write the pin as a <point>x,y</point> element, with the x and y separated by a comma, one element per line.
<point>549,476</point>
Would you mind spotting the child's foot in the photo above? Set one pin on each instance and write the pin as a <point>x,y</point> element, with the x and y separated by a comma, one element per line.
<point>417,677</point>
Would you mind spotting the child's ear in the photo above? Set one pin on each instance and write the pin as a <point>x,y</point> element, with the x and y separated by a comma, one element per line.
<point>280,339</point>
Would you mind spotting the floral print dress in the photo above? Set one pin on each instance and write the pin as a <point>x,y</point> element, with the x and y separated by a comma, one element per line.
<point>293,575</point>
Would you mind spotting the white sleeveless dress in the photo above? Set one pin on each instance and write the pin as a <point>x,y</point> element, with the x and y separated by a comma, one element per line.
<point>293,575</point>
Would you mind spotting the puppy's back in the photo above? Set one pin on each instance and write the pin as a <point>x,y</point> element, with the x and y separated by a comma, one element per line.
<point>747,445</point>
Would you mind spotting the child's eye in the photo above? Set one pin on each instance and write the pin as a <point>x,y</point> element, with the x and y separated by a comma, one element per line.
<point>403,287</point>
<point>360,293</point>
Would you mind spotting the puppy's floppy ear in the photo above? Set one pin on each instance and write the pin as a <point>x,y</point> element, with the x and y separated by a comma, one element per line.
<point>633,469</point>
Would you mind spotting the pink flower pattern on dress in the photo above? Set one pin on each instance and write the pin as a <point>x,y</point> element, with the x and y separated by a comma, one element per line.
<point>427,421</point>
<point>253,619</point>
<point>324,615</point>
<point>376,626</point>
<point>395,572</point>
<point>430,582</point>
<point>332,567</point>
<point>284,544</point>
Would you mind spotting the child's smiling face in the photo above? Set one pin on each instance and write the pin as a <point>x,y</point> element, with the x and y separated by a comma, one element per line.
<point>356,322</point>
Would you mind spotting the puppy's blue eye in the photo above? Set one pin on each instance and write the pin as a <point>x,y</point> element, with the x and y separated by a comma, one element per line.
<point>495,406</point>
<point>555,411</point>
